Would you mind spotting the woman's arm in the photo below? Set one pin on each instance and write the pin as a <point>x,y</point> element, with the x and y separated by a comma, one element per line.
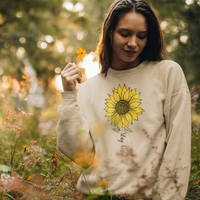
<point>173,177</point>
<point>73,138</point>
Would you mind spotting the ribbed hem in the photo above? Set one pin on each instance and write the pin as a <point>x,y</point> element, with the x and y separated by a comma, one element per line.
<point>69,97</point>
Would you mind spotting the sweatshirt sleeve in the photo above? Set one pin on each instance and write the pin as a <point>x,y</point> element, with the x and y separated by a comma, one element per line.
<point>174,172</point>
<point>73,138</point>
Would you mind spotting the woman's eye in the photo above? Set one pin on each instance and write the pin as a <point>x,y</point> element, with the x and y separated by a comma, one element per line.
<point>124,34</point>
<point>142,36</point>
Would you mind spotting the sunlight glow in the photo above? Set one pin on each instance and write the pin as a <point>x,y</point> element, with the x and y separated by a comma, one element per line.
<point>20,52</point>
<point>43,45</point>
<point>91,68</point>
<point>172,46</point>
<point>184,39</point>
<point>19,14</point>
<point>79,35</point>
<point>75,8</point>
<point>163,25</point>
<point>68,5</point>
<point>59,46</point>
<point>48,38</point>
<point>189,2</point>
<point>78,7</point>
<point>58,82</point>
<point>57,70</point>
<point>22,40</point>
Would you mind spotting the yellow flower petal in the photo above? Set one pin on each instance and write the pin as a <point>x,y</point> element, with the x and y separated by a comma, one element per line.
<point>132,93</point>
<point>117,96</point>
<point>123,91</point>
<point>129,118</point>
<point>114,118</point>
<point>117,119</point>
<point>113,99</point>
<point>120,124</point>
<point>127,95</point>
<point>119,91</point>
<point>134,115</point>
<point>135,96</point>
<point>124,121</point>
<point>134,104</point>
<point>139,111</point>
<point>110,104</point>
<point>109,114</point>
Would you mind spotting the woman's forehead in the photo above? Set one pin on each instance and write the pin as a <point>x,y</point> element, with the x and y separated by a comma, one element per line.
<point>132,20</point>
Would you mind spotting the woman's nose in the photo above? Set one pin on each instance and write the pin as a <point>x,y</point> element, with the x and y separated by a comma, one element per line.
<point>132,41</point>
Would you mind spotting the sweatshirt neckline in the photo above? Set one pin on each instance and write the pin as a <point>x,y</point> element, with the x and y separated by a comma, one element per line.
<point>127,72</point>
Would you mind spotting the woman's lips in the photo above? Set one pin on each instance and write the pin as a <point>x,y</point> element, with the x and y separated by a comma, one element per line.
<point>130,53</point>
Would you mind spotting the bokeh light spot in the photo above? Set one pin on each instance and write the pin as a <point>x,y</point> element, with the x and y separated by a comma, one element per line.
<point>57,70</point>
<point>22,39</point>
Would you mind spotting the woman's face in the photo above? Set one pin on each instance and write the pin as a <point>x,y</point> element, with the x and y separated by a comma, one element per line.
<point>128,40</point>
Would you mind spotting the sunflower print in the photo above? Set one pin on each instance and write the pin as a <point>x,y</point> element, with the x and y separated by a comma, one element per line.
<point>122,107</point>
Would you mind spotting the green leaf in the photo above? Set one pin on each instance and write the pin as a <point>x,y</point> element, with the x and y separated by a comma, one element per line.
<point>10,196</point>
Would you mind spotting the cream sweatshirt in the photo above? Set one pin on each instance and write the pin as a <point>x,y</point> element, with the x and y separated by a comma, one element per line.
<point>133,129</point>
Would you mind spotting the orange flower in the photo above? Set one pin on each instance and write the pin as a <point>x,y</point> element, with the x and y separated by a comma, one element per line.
<point>81,53</point>
<point>29,178</point>
<point>86,160</point>
<point>102,183</point>
<point>197,182</point>
<point>40,194</point>
<point>52,155</point>
<point>26,147</point>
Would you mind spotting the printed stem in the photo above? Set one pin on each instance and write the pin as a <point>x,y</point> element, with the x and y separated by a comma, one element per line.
<point>86,182</point>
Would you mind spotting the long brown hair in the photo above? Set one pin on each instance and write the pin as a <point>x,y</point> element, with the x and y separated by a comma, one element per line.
<point>154,49</point>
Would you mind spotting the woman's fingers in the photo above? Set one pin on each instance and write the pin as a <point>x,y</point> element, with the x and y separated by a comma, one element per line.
<point>72,78</point>
<point>70,74</point>
<point>71,71</point>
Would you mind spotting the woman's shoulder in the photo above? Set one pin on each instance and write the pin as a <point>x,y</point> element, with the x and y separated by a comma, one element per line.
<point>91,82</point>
<point>167,66</point>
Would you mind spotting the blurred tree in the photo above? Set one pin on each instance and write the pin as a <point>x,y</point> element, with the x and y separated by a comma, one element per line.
<point>48,33</point>
<point>180,21</point>
<point>41,31</point>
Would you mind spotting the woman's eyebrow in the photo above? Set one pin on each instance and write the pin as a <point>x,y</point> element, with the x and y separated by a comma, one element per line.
<point>125,29</point>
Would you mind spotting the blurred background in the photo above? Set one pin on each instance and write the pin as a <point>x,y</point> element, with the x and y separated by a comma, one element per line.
<point>38,38</point>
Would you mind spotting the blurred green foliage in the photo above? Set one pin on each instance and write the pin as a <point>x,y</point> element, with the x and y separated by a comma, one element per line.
<point>74,24</point>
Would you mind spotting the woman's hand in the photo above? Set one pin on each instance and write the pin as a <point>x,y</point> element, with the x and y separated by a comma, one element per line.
<point>70,74</point>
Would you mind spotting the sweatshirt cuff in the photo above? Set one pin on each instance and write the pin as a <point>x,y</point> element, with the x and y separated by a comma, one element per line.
<point>68,97</point>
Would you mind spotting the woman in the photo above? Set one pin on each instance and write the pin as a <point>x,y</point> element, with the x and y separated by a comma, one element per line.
<point>131,122</point>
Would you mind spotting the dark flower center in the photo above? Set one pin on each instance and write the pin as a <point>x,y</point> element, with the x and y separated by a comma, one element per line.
<point>122,107</point>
